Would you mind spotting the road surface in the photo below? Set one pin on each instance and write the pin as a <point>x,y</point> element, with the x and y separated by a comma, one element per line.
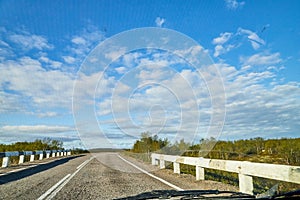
<point>92,179</point>
<point>84,177</point>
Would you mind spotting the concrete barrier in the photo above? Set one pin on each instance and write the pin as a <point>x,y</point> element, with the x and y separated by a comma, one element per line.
<point>7,155</point>
<point>246,170</point>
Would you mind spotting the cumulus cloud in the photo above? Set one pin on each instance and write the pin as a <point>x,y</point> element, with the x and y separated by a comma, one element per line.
<point>82,44</point>
<point>156,93</point>
<point>159,21</point>
<point>219,49</point>
<point>38,87</point>
<point>162,107</point>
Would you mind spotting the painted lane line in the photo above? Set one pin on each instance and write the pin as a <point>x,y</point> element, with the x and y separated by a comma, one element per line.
<point>153,176</point>
<point>16,170</point>
<point>53,187</point>
<point>53,194</point>
<point>58,186</point>
<point>79,166</point>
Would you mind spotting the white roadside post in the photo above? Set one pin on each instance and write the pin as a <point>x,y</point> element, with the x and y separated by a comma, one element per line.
<point>6,157</point>
<point>47,154</point>
<point>41,156</point>
<point>246,184</point>
<point>153,160</point>
<point>5,162</point>
<point>53,154</point>
<point>32,157</point>
<point>162,164</point>
<point>21,159</point>
<point>176,167</point>
<point>199,173</point>
<point>69,153</point>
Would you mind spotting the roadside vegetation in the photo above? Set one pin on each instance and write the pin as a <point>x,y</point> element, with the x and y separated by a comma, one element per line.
<point>276,151</point>
<point>45,144</point>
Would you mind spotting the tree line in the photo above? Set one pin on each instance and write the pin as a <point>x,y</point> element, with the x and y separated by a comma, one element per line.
<point>45,144</point>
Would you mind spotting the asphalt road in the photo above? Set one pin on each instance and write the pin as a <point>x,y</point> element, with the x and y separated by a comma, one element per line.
<point>81,177</point>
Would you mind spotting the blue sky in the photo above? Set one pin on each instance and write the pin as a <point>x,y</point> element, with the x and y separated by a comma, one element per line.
<point>253,44</point>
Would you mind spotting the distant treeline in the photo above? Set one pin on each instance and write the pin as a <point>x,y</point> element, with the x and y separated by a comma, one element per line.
<point>279,151</point>
<point>45,144</point>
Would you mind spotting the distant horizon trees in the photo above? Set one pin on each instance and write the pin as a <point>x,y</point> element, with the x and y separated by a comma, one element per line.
<point>44,144</point>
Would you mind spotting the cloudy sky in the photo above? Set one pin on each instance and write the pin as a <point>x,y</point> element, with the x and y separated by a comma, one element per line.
<point>69,71</point>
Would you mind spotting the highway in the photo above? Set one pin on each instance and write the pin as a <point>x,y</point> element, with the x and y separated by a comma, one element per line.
<point>85,177</point>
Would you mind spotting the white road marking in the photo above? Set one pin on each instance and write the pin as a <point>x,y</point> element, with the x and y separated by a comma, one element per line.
<point>153,176</point>
<point>84,163</point>
<point>58,186</point>
<point>53,187</point>
<point>12,171</point>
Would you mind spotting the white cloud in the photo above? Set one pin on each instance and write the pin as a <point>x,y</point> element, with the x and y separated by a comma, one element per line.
<point>37,87</point>
<point>220,41</point>
<point>114,54</point>
<point>82,44</point>
<point>219,49</point>
<point>224,37</point>
<point>159,21</point>
<point>121,70</point>
<point>254,39</point>
<point>234,4</point>
<point>228,41</point>
<point>69,59</point>
<point>193,53</point>
<point>53,64</point>
<point>262,59</point>
<point>10,102</point>
<point>79,40</point>
<point>47,114</point>
<point>173,106</point>
<point>252,106</point>
<point>28,41</point>
<point>36,129</point>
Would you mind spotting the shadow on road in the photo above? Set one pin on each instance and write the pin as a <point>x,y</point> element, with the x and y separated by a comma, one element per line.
<point>13,176</point>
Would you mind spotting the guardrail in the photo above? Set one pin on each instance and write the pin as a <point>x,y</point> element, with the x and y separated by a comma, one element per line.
<point>54,153</point>
<point>245,169</point>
